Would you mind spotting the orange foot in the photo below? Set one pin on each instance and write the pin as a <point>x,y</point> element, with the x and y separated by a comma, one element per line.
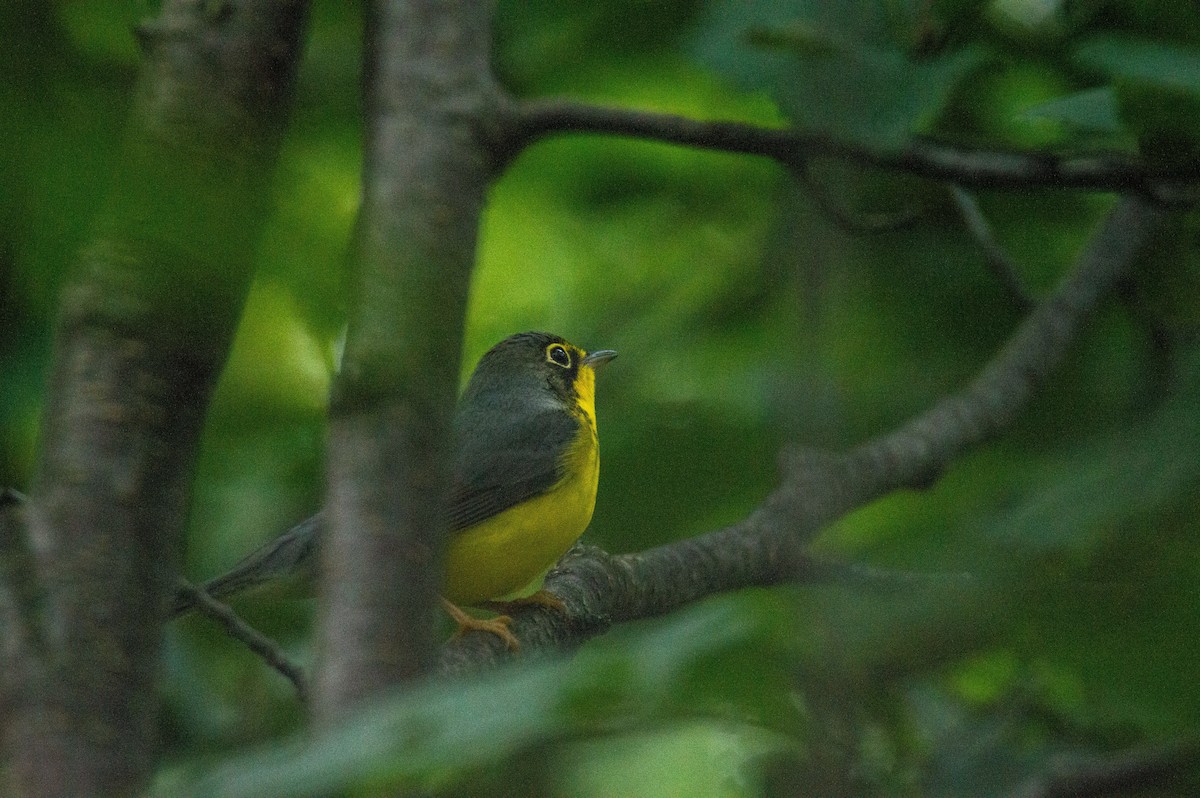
<point>542,598</point>
<point>497,626</point>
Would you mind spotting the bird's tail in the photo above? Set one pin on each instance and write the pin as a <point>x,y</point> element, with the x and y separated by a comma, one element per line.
<point>292,554</point>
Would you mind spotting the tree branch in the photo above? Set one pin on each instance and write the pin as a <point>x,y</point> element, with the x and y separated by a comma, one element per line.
<point>428,94</point>
<point>533,120</point>
<point>264,647</point>
<point>994,254</point>
<point>768,546</point>
<point>914,455</point>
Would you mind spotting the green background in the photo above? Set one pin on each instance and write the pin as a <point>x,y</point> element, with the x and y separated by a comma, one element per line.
<point>746,318</point>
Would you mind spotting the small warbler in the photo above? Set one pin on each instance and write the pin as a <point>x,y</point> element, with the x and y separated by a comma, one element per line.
<point>526,468</point>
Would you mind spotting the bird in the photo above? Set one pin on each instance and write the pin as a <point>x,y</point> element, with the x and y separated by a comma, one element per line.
<point>525,473</point>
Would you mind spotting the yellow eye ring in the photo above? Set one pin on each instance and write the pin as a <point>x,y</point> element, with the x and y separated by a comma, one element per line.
<point>558,355</point>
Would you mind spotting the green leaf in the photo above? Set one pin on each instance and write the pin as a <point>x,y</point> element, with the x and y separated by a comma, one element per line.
<point>420,736</point>
<point>1163,64</point>
<point>859,83</point>
<point>1108,548</point>
<point>696,758</point>
<point>1157,86</point>
<point>1094,489</point>
<point>1092,109</point>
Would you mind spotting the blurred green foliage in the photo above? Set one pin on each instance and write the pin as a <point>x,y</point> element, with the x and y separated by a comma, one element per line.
<point>745,318</point>
<point>429,735</point>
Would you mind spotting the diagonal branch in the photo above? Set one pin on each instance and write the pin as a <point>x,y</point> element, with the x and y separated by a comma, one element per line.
<point>915,454</point>
<point>533,120</point>
<point>768,546</point>
<point>995,255</point>
<point>264,647</point>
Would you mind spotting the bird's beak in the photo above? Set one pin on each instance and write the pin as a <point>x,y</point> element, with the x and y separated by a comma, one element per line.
<point>599,357</point>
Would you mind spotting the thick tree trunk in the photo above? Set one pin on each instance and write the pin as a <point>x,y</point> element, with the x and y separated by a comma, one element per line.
<point>145,325</point>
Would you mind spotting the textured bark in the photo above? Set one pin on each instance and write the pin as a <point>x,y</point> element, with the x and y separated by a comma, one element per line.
<point>144,327</point>
<point>429,97</point>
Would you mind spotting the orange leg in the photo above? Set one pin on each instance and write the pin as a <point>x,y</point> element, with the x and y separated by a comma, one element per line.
<point>497,626</point>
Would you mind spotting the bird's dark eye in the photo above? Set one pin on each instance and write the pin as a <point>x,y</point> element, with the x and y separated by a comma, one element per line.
<point>558,354</point>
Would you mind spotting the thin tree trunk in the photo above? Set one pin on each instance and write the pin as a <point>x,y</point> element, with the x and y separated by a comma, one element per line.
<point>429,98</point>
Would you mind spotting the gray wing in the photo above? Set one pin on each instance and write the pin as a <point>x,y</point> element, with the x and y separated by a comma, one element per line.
<point>497,466</point>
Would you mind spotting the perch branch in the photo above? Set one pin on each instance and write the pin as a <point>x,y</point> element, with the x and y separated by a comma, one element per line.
<point>293,553</point>
<point>533,120</point>
<point>768,546</point>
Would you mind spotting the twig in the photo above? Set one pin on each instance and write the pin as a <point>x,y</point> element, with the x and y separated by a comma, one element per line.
<point>533,120</point>
<point>266,648</point>
<point>769,546</point>
<point>995,255</point>
<point>915,454</point>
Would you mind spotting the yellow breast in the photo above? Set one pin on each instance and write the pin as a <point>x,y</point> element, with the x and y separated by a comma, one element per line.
<point>509,550</point>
